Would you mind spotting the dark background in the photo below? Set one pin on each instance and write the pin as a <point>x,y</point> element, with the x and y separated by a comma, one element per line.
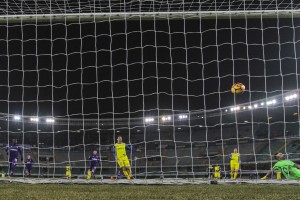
<point>122,67</point>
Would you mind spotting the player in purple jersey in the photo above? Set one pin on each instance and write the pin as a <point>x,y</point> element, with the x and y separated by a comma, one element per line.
<point>28,166</point>
<point>95,160</point>
<point>13,151</point>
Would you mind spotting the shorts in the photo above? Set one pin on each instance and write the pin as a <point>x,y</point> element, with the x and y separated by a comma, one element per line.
<point>68,174</point>
<point>217,175</point>
<point>123,162</point>
<point>234,166</point>
<point>93,168</point>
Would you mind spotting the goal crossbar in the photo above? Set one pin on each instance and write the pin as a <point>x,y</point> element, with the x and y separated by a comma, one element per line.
<point>148,16</point>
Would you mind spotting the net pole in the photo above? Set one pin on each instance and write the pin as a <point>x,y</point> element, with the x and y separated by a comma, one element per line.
<point>128,92</point>
<point>52,99</point>
<point>203,92</point>
<point>67,88</point>
<point>296,64</point>
<point>143,99</point>
<point>282,80</point>
<point>112,87</point>
<point>82,97</point>
<point>234,97</point>
<point>219,92</point>
<point>187,92</point>
<point>250,97</point>
<point>265,76</point>
<point>97,87</point>
<point>23,73</point>
<point>157,100</point>
<point>172,92</point>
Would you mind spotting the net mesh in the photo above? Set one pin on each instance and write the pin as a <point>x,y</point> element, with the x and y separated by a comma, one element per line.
<point>70,87</point>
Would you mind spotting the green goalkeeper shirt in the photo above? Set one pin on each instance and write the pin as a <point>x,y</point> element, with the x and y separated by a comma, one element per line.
<point>288,169</point>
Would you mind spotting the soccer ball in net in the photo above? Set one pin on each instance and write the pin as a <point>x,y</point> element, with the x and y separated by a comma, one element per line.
<point>238,88</point>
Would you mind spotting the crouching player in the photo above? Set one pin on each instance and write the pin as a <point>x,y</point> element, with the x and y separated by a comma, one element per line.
<point>121,157</point>
<point>288,168</point>
<point>28,166</point>
<point>95,160</point>
<point>13,151</point>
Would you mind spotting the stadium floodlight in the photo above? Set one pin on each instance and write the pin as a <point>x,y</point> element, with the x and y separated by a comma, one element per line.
<point>149,119</point>
<point>262,103</point>
<point>34,119</point>
<point>17,117</point>
<point>272,102</point>
<point>182,116</point>
<point>226,110</point>
<point>291,97</point>
<point>246,121</point>
<point>255,105</point>
<point>249,107</point>
<point>235,108</point>
<point>166,118</point>
<point>244,107</point>
<point>179,128</point>
<point>50,120</point>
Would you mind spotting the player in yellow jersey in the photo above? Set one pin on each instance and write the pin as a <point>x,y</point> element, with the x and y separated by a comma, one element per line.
<point>68,171</point>
<point>234,163</point>
<point>217,172</point>
<point>121,157</point>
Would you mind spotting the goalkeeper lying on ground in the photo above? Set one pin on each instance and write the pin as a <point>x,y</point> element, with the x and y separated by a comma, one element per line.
<point>288,168</point>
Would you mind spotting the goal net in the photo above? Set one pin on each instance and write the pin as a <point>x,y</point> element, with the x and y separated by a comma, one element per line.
<point>75,75</point>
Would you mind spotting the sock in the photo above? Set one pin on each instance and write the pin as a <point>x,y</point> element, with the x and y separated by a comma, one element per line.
<point>129,172</point>
<point>235,175</point>
<point>125,173</point>
<point>231,174</point>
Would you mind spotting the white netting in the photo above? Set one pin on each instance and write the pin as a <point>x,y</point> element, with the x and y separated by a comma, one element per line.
<point>70,85</point>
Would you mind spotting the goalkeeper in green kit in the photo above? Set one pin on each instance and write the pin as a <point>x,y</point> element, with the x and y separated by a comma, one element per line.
<point>288,168</point>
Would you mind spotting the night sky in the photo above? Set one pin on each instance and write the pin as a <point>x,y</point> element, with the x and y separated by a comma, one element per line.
<point>123,67</point>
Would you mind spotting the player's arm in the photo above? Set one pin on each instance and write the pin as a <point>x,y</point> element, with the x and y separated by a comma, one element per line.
<point>114,152</point>
<point>229,157</point>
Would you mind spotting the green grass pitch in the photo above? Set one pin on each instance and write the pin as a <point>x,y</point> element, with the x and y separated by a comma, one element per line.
<point>140,192</point>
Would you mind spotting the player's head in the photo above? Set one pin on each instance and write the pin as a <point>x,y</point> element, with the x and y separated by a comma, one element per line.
<point>279,156</point>
<point>14,141</point>
<point>28,157</point>
<point>235,150</point>
<point>94,152</point>
<point>119,139</point>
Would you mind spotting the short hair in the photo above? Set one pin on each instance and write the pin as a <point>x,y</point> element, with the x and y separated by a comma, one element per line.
<point>275,155</point>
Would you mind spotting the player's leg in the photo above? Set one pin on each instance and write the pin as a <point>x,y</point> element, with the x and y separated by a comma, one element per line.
<point>127,165</point>
<point>231,169</point>
<point>13,165</point>
<point>122,166</point>
<point>93,172</point>
<point>236,170</point>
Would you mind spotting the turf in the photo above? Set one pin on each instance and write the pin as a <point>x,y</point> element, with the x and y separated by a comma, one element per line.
<point>137,192</point>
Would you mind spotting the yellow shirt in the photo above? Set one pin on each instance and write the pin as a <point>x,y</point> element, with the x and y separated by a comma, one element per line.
<point>235,157</point>
<point>217,168</point>
<point>120,149</point>
<point>68,168</point>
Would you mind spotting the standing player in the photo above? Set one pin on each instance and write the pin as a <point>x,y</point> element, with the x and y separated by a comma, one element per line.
<point>234,163</point>
<point>28,166</point>
<point>95,160</point>
<point>121,156</point>
<point>288,168</point>
<point>13,151</point>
